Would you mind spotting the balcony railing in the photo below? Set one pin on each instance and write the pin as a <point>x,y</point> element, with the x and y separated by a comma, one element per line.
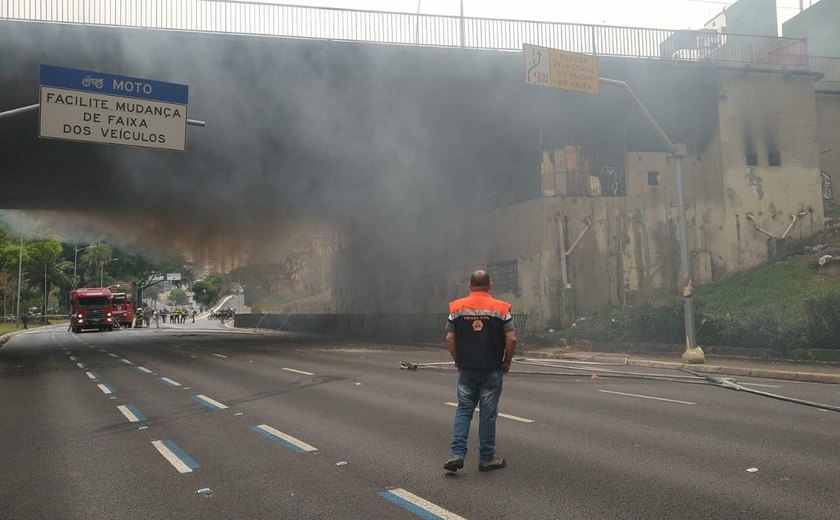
<point>829,66</point>
<point>269,19</point>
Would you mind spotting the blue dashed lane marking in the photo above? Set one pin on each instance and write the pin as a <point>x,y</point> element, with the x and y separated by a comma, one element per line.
<point>176,456</point>
<point>209,403</point>
<point>419,506</point>
<point>285,440</point>
<point>106,388</point>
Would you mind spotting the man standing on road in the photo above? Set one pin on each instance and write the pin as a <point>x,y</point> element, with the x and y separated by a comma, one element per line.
<point>482,341</point>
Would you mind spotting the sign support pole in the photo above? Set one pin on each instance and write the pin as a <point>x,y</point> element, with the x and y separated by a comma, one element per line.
<point>693,353</point>
<point>29,108</point>
<point>21,110</point>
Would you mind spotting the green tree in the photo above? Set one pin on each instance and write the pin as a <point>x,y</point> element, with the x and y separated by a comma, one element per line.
<point>144,273</point>
<point>94,259</point>
<point>178,296</point>
<point>10,250</point>
<point>207,290</point>
<point>47,267</point>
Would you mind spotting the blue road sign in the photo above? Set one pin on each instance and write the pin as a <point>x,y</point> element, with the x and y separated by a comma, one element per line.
<point>102,83</point>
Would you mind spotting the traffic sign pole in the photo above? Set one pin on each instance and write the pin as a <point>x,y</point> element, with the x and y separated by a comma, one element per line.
<point>693,353</point>
<point>30,108</point>
<point>577,72</point>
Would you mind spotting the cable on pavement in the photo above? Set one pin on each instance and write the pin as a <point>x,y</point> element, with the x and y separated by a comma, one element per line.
<point>597,373</point>
<point>727,382</point>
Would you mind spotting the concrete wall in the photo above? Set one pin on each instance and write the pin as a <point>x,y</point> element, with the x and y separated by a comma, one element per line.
<point>755,17</point>
<point>828,143</point>
<point>763,115</point>
<point>761,160</point>
<point>819,25</point>
<point>631,248</point>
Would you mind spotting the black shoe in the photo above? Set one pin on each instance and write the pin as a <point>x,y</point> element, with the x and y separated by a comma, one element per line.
<point>496,463</point>
<point>453,465</point>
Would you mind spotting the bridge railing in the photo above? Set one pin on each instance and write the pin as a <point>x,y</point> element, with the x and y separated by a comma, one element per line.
<point>829,66</point>
<point>269,19</point>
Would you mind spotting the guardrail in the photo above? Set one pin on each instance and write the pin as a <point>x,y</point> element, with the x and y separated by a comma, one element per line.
<point>269,19</point>
<point>381,327</point>
<point>829,66</point>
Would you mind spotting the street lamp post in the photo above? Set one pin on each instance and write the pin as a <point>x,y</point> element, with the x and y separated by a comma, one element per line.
<point>20,272</point>
<point>462,24</point>
<point>45,293</point>
<point>102,270</point>
<point>417,24</point>
<point>75,258</point>
<point>693,353</point>
<point>75,261</point>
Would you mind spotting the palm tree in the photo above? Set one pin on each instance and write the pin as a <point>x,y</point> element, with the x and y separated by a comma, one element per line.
<point>47,267</point>
<point>95,258</point>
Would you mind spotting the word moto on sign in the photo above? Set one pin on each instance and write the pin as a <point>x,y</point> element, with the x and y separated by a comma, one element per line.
<point>562,70</point>
<point>80,105</point>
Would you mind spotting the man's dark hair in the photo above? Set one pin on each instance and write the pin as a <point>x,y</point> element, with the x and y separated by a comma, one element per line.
<point>480,279</point>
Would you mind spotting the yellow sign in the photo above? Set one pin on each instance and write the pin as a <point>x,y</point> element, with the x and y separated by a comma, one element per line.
<point>561,69</point>
<point>574,71</point>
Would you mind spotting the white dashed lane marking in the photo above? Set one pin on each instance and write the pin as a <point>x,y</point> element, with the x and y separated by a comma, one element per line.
<point>209,403</point>
<point>283,439</point>
<point>298,371</point>
<point>176,456</point>
<point>647,397</point>
<point>506,416</point>
<point>419,506</point>
<point>106,388</point>
<point>132,413</point>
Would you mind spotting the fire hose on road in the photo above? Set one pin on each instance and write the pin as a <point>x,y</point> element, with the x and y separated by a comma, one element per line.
<point>575,368</point>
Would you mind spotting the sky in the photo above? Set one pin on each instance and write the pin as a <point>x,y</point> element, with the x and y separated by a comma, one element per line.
<point>659,14</point>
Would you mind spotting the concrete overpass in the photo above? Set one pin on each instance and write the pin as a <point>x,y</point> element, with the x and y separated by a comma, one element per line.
<point>311,126</point>
<point>387,140</point>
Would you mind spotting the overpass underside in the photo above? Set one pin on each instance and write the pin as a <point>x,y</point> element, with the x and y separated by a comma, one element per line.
<point>392,145</point>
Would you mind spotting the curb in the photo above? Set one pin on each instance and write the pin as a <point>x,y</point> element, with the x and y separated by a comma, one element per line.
<point>9,335</point>
<point>808,377</point>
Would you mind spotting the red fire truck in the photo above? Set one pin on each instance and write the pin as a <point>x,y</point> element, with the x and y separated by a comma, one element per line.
<point>123,309</point>
<point>91,308</point>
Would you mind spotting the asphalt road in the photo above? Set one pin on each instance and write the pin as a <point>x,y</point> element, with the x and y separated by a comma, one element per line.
<point>263,422</point>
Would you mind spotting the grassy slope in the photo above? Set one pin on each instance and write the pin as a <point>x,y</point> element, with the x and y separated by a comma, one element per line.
<point>760,308</point>
<point>783,286</point>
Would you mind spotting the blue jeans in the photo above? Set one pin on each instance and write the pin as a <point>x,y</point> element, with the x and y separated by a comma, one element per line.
<point>477,387</point>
